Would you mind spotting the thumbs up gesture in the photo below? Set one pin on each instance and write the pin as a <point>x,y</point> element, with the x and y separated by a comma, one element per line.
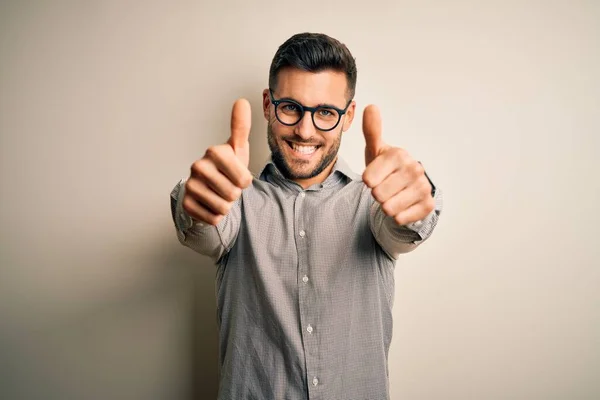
<point>217,179</point>
<point>397,181</point>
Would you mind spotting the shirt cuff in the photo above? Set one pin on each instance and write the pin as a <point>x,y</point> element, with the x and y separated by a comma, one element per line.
<point>183,222</point>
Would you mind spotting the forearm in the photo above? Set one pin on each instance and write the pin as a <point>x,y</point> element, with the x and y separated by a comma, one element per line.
<point>212,241</point>
<point>398,239</point>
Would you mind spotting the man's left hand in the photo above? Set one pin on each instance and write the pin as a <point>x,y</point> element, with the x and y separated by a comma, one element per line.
<point>397,181</point>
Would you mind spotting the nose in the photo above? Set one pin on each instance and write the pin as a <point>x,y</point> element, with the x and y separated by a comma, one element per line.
<point>305,128</point>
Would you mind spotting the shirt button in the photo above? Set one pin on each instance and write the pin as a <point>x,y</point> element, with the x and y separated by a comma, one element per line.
<point>315,381</point>
<point>303,194</point>
<point>305,279</point>
<point>302,233</point>
<point>309,329</point>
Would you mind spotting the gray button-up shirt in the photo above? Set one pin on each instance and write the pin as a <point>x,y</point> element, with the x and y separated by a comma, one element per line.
<point>304,285</point>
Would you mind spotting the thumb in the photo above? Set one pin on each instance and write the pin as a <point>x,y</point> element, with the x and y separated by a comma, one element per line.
<point>372,131</point>
<point>241,121</point>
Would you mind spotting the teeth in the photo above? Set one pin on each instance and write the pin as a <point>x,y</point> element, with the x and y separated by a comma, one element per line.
<point>304,149</point>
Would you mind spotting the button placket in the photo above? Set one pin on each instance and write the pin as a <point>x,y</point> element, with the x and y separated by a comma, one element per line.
<point>306,295</point>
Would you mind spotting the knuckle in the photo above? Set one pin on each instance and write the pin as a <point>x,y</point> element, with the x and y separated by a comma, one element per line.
<point>400,220</point>
<point>227,207</point>
<point>425,188</point>
<point>189,188</point>
<point>223,207</point>
<point>214,219</point>
<point>430,205</point>
<point>211,152</point>
<point>233,193</point>
<point>399,155</point>
<point>366,177</point>
<point>185,202</point>
<point>245,180</point>
<point>221,152</point>
<point>198,167</point>
<point>188,204</point>
<point>377,195</point>
<point>193,188</point>
<point>418,168</point>
<point>413,168</point>
<point>387,208</point>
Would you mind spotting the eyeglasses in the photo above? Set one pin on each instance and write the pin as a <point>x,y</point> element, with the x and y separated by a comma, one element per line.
<point>290,112</point>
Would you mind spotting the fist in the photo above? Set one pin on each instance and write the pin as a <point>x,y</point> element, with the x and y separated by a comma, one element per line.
<point>397,181</point>
<point>217,179</point>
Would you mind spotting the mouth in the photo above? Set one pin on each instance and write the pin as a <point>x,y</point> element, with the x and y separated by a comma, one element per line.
<point>303,151</point>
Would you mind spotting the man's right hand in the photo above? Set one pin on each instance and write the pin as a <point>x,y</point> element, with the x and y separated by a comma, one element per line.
<point>217,179</point>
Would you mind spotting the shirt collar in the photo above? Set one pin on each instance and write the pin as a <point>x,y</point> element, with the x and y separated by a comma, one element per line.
<point>340,169</point>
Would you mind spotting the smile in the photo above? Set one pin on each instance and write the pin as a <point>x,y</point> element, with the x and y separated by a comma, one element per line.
<point>303,149</point>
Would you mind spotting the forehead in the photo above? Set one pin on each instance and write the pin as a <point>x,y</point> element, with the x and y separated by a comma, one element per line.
<point>312,88</point>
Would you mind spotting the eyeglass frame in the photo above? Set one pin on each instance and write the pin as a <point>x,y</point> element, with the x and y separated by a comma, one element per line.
<point>304,109</point>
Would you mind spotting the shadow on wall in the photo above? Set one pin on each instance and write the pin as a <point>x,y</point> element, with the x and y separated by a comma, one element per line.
<point>204,339</point>
<point>146,330</point>
<point>155,338</point>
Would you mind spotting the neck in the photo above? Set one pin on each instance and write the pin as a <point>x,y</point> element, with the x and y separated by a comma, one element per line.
<point>305,183</point>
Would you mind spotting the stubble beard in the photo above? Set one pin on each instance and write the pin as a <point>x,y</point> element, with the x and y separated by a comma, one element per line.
<point>288,170</point>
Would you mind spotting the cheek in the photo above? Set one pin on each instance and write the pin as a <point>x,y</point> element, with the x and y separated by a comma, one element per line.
<point>281,131</point>
<point>274,123</point>
<point>334,141</point>
<point>278,134</point>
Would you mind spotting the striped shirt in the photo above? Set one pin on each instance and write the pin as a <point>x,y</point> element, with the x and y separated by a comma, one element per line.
<point>304,286</point>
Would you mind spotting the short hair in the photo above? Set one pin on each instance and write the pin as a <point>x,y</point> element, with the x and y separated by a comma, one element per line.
<point>314,52</point>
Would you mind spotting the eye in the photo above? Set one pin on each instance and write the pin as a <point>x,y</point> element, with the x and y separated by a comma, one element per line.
<point>289,107</point>
<point>323,112</point>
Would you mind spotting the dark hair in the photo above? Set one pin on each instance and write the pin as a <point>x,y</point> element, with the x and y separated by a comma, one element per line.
<point>314,52</point>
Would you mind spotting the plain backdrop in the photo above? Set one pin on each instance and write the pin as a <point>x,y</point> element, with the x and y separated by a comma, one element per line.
<point>104,105</point>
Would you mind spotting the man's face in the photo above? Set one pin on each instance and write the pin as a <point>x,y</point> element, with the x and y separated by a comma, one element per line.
<point>303,152</point>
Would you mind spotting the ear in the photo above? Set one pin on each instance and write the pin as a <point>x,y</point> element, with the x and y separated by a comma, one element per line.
<point>266,103</point>
<point>349,116</point>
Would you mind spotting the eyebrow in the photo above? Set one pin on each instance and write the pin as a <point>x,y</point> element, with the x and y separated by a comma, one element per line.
<point>324,105</point>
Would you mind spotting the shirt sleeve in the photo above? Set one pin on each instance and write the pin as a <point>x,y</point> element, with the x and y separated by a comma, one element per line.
<point>396,239</point>
<point>209,240</point>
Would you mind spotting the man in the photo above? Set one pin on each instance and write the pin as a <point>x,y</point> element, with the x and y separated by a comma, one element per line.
<point>305,251</point>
